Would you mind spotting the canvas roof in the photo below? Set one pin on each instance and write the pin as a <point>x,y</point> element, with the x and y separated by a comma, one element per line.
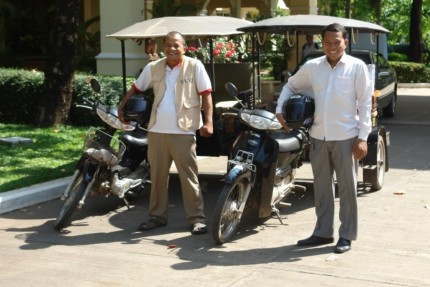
<point>309,24</point>
<point>187,25</point>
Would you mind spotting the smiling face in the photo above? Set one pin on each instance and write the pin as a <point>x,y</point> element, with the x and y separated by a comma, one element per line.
<point>334,45</point>
<point>174,48</point>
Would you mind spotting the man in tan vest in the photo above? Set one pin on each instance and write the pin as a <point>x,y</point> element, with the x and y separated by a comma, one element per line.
<point>181,88</point>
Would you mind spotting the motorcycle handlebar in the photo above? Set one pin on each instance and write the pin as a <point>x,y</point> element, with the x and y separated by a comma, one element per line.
<point>84,107</point>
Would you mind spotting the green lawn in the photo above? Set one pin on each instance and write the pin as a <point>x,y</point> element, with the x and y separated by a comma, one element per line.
<point>52,154</point>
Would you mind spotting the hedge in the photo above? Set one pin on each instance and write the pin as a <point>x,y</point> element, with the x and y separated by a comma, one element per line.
<point>21,91</point>
<point>408,72</point>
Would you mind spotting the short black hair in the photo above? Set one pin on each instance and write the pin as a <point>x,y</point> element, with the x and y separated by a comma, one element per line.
<point>335,27</point>
<point>174,33</point>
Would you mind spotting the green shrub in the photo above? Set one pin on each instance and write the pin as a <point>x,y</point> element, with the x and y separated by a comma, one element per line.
<point>408,72</point>
<point>111,94</point>
<point>397,57</point>
<point>22,90</point>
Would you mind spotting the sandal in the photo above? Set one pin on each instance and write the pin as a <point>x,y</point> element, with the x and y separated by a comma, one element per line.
<point>150,224</point>
<point>199,228</point>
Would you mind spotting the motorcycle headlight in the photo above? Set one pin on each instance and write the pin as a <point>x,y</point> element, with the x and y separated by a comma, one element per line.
<point>113,121</point>
<point>259,122</point>
<point>245,117</point>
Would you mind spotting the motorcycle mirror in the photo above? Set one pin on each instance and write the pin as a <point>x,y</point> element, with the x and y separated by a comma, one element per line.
<point>95,85</point>
<point>232,91</point>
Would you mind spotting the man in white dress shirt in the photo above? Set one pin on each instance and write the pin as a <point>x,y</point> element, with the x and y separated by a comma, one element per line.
<point>342,91</point>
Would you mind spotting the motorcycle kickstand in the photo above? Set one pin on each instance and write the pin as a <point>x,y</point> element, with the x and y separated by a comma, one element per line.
<point>278,214</point>
<point>126,203</point>
<point>276,210</point>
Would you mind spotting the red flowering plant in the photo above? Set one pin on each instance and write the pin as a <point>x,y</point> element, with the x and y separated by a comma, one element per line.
<point>225,50</point>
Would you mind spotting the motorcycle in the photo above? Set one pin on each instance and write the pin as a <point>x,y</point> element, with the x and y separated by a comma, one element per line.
<point>110,164</point>
<point>262,163</point>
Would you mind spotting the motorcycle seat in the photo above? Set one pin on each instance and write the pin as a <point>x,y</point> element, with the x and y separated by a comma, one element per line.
<point>137,139</point>
<point>288,142</point>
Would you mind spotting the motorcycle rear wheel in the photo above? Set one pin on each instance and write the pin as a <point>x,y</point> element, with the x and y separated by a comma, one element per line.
<point>71,202</point>
<point>229,209</point>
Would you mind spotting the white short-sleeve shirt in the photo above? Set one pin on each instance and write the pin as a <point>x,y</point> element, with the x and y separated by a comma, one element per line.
<point>166,121</point>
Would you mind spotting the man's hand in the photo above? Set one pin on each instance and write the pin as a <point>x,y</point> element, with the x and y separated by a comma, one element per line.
<point>359,150</point>
<point>130,93</point>
<point>206,130</point>
<point>121,115</point>
<point>282,121</point>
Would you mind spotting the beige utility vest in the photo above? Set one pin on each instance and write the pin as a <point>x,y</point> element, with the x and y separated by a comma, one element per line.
<point>187,99</point>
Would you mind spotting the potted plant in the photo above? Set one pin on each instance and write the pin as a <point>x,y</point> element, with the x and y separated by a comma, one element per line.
<point>231,63</point>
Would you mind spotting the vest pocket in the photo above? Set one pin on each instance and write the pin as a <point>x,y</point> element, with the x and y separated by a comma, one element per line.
<point>191,103</point>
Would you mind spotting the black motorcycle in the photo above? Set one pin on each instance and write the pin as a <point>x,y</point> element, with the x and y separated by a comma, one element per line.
<point>263,162</point>
<point>110,164</point>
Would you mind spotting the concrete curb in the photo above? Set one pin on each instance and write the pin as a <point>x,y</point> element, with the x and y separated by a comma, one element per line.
<point>413,85</point>
<point>38,193</point>
<point>27,196</point>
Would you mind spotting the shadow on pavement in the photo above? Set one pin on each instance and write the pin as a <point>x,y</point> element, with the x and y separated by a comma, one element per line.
<point>125,222</point>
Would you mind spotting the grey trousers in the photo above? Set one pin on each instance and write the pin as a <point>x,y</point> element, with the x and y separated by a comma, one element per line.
<point>326,158</point>
<point>162,150</point>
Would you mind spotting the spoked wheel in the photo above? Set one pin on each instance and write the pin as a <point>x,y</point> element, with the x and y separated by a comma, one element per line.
<point>377,175</point>
<point>229,209</point>
<point>71,202</point>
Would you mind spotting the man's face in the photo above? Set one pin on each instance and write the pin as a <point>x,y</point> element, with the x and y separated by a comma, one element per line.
<point>174,48</point>
<point>333,46</point>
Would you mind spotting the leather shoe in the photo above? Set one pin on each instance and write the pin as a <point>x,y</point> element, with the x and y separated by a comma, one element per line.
<point>150,224</point>
<point>314,241</point>
<point>343,245</point>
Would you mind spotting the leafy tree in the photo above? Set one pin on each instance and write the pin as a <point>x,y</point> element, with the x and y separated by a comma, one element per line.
<point>3,11</point>
<point>88,46</point>
<point>59,71</point>
<point>416,46</point>
<point>395,17</point>
<point>401,17</point>
<point>332,7</point>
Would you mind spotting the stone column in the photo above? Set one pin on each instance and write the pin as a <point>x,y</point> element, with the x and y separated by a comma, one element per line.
<point>235,8</point>
<point>114,16</point>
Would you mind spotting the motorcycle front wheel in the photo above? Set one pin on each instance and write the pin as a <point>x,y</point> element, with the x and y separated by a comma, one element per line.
<point>72,201</point>
<point>229,209</point>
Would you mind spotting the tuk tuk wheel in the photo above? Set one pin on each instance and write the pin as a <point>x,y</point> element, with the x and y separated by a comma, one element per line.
<point>375,175</point>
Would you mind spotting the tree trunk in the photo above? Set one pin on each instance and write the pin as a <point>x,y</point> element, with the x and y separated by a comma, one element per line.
<point>348,9</point>
<point>378,10</point>
<point>2,26</point>
<point>59,71</point>
<point>416,46</point>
